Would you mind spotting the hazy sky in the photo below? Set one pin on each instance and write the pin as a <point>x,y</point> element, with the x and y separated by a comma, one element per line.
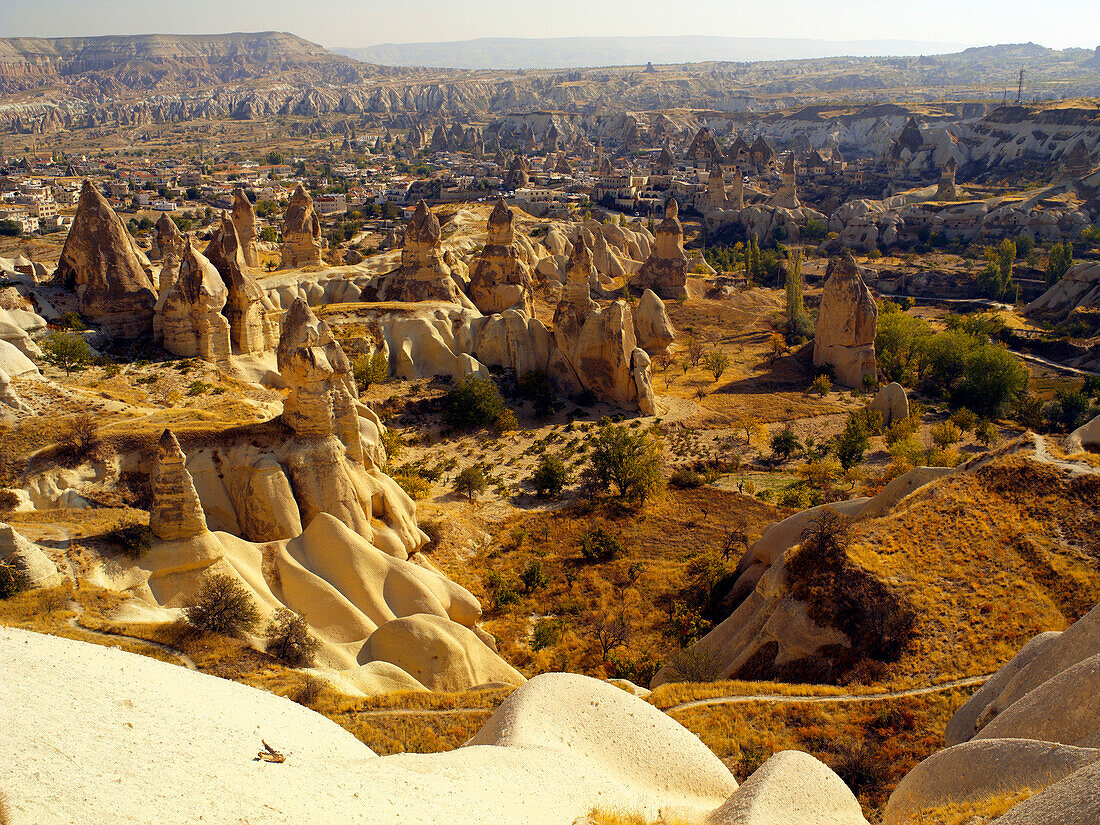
<point>366,22</point>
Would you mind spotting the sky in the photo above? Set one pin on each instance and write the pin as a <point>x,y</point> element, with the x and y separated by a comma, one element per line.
<point>349,23</point>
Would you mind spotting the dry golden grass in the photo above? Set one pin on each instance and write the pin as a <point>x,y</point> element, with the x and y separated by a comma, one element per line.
<point>897,734</point>
<point>988,559</point>
<point>610,816</point>
<point>666,543</point>
<point>970,813</point>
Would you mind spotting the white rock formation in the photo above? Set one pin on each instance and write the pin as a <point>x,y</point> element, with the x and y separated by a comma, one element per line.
<point>558,747</point>
<point>846,324</point>
<point>791,787</point>
<point>652,327</point>
<point>891,403</point>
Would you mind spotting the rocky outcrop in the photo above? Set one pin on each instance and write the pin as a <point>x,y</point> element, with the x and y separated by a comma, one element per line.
<point>652,327</point>
<point>28,557</point>
<point>947,190</point>
<point>423,275</point>
<point>189,320</point>
<point>318,374</point>
<point>501,280</point>
<point>518,175</point>
<point>786,197</point>
<point>167,239</point>
<point>597,345</point>
<point>244,221</point>
<point>252,325</point>
<point>846,324</point>
<point>301,232</point>
<point>1078,290</point>
<point>665,270</point>
<point>891,403</point>
<point>99,260</point>
<point>176,513</point>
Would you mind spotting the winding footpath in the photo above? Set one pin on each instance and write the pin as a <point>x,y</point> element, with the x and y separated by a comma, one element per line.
<point>184,659</point>
<point>777,698</point>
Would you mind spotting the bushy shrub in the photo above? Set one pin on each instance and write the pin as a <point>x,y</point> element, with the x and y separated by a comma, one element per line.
<point>290,640</point>
<point>785,443</point>
<point>370,369</point>
<point>534,577</point>
<point>546,632</point>
<point>13,578</point>
<point>537,387</point>
<point>550,476</point>
<point>945,433</point>
<point>222,605</point>
<point>821,385</point>
<point>694,665</point>
<point>628,461</point>
<point>416,485</point>
<point>66,351</point>
<point>1068,411</point>
<point>686,479</point>
<point>393,443</point>
<point>131,539</point>
<point>599,545</point>
<point>475,403</point>
<point>310,690</point>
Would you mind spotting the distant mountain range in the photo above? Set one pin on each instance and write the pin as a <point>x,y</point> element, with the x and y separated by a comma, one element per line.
<point>577,52</point>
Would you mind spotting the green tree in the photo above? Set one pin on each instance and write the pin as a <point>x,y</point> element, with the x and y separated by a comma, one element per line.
<point>473,403</point>
<point>628,461</point>
<point>785,443</point>
<point>470,482</point>
<point>550,476</point>
<point>996,278</point>
<point>798,325</point>
<point>852,442</point>
<point>900,343</point>
<point>1058,262</point>
<point>66,351</point>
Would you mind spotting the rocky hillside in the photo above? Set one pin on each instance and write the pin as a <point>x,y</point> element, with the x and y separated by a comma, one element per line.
<point>111,65</point>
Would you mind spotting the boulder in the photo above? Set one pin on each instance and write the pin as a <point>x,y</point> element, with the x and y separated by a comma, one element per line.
<point>167,239</point>
<point>652,327</point>
<point>253,328</point>
<point>101,263</point>
<point>972,772</point>
<point>846,324</point>
<point>15,363</point>
<point>1040,660</point>
<point>10,398</point>
<point>791,787</point>
<point>29,558</point>
<point>301,232</point>
<point>612,731</point>
<point>318,375</point>
<point>1071,801</point>
<point>501,279</point>
<point>596,345</point>
<point>891,403</point>
<point>1065,709</point>
<point>1085,437</point>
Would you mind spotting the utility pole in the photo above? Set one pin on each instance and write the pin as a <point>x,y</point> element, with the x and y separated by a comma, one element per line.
<point>1020,88</point>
